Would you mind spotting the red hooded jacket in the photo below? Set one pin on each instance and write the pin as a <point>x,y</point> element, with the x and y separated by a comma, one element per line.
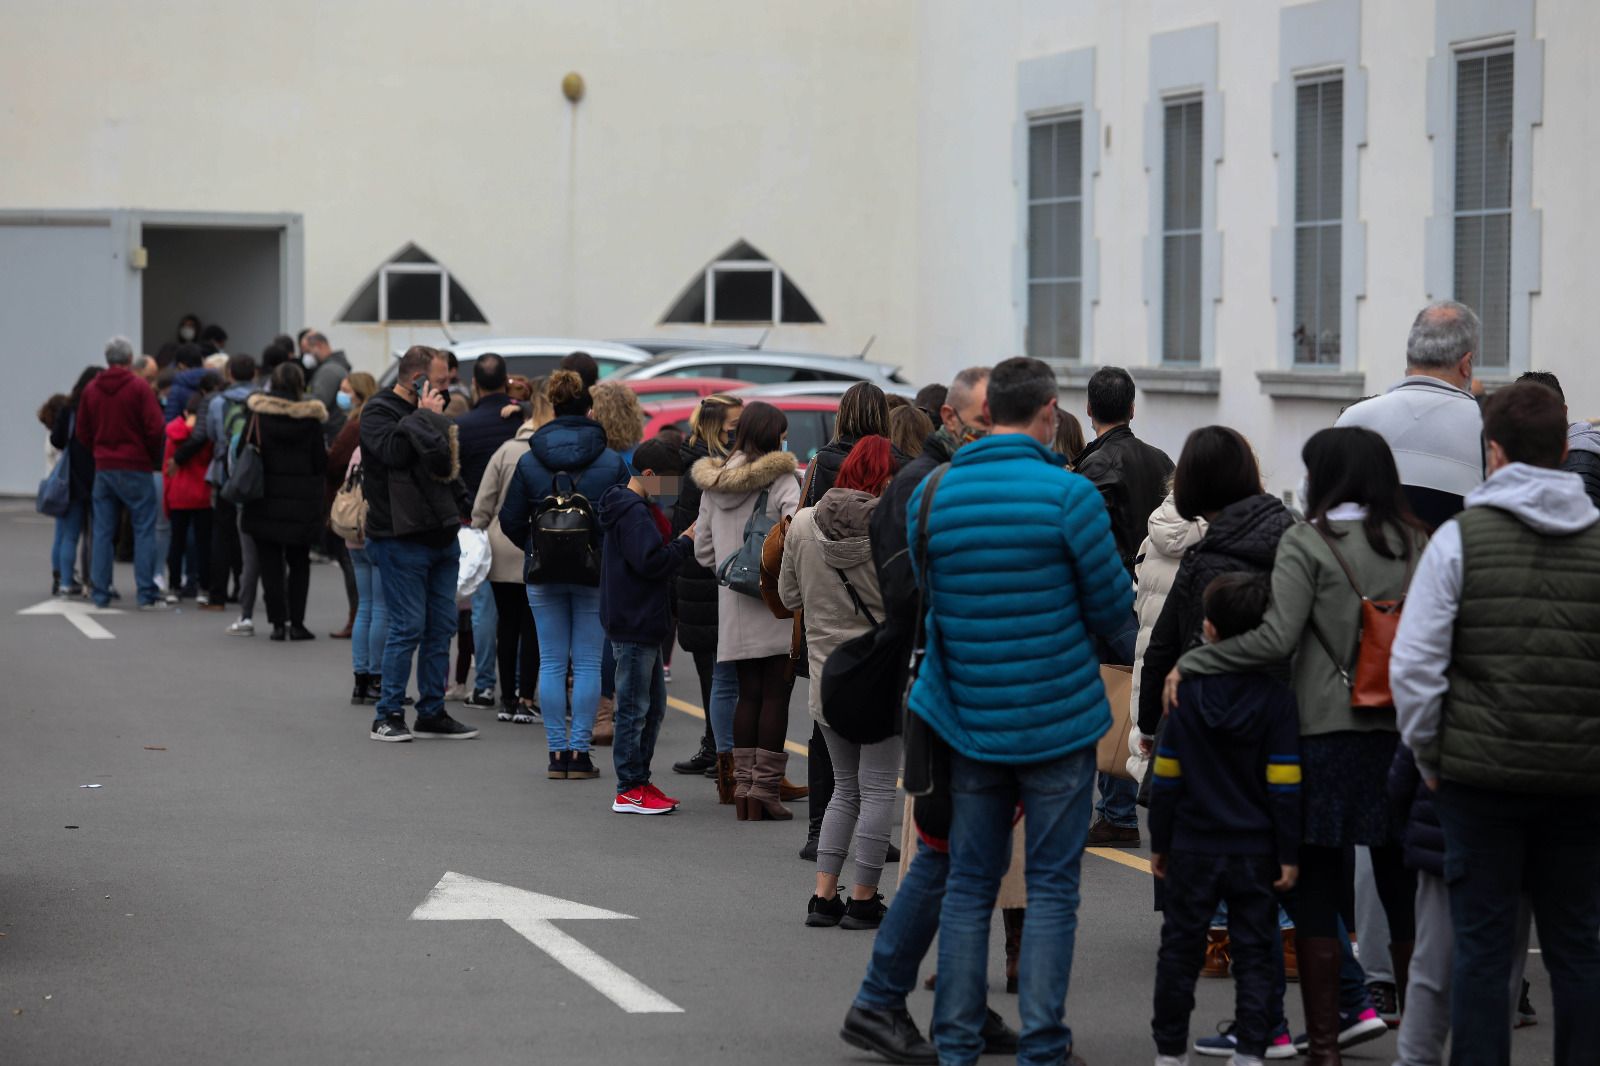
<point>187,490</point>
<point>120,421</point>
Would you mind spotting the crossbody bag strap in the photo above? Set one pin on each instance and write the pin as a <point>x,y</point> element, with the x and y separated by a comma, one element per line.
<point>855,597</point>
<point>924,582</point>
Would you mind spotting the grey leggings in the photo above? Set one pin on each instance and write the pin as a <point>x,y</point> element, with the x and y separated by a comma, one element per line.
<point>249,570</point>
<point>862,806</point>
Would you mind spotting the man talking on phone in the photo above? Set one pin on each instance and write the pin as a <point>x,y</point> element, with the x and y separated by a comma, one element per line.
<point>411,475</point>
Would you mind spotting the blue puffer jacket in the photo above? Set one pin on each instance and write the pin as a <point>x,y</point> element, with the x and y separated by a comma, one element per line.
<point>185,385</point>
<point>1023,568</point>
<point>571,444</point>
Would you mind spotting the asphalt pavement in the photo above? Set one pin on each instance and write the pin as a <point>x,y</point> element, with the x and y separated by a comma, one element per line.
<point>240,887</point>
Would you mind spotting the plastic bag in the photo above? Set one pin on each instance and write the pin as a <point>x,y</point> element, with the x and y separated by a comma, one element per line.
<point>474,569</point>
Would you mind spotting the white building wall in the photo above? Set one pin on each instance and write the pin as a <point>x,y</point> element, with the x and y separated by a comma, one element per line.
<point>967,290</point>
<point>384,122</point>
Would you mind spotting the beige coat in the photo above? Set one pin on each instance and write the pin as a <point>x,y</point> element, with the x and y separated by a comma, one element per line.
<point>823,541</point>
<point>506,561</point>
<point>729,490</point>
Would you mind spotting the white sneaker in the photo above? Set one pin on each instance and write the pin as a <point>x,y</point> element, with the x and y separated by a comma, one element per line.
<point>1173,1060</point>
<point>455,694</point>
<point>666,673</point>
<point>244,627</point>
<point>1245,1060</point>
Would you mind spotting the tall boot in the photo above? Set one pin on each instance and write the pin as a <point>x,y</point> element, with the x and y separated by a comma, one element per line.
<point>1012,916</point>
<point>358,695</point>
<point>762,800</point>
<point>1319,993</point>
<point>744,762</point>
<point>1400,963</point>
<point>725,784</point>
<point>604,730</point>
<point>819,778</point>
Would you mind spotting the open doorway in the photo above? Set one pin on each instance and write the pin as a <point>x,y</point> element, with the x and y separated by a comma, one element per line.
<point>231,276</point>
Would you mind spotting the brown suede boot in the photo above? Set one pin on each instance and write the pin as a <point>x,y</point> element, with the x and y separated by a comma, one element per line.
<point>1218,956</point>
<point>725,778</point>
<point>604,731</point>
<point>1319,993</point>
<point>762,800</point>
<point>1291,961</point>
<point>744,761</point>
<point>1012,916</point>
<point>788,792</point>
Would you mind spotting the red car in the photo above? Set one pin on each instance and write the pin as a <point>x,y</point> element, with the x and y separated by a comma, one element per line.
<point>810,420</point>
<point>663,390</point>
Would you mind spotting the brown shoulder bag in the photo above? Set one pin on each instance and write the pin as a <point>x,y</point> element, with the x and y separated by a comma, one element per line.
<point>1368,677</point>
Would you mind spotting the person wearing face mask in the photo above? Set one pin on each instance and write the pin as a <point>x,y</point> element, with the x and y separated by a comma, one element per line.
<point>354,391</point>
<point>326,370</point>
<point>188,332</point>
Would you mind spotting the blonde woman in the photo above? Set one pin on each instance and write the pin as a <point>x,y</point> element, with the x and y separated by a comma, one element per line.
<point>516,640</point>
<point>711,430</point>
<point>616,408</point>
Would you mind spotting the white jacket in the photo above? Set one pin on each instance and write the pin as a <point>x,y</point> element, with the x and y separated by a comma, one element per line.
<point>1155,568</point>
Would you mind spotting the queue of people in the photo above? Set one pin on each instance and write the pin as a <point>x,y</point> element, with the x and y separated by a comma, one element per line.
<point>1402,667</point>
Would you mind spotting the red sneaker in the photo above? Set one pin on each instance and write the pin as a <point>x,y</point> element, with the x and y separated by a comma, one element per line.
<point>658,794</point>
<point>640,801</point>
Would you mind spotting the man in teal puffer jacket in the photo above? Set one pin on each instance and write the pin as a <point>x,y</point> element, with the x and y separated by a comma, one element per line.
<point>1022,569</point>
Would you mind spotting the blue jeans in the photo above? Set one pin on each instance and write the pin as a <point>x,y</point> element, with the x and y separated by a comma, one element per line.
<point>419,587</point>
<point>984,796</point>
<point>567,619</point>
<point>1498,845</point>
<point>641,704</point>
<point>485,624</point>
<point>64,552</point>
<point>724,699</point>
<point>371,627</point>
<point>134,490</point>
<point>906,933</point>
<point>163,524</point>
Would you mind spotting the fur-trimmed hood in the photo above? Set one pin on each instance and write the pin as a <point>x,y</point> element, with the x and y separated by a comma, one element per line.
<point>265,403</point>
<point>728,482</point>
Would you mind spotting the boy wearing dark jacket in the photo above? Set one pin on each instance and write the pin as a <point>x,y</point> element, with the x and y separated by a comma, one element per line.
<point>1225,825</point>
<point>638,559</point>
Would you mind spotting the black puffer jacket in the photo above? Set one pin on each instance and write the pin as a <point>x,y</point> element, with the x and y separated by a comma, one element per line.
<point>696,584</point>
<point>63,436</point>
<point>1243,536</point>
<point>1585,464</point>
<point>411,472</point>
<point>294,459</point>
<point>824,468</point>
<point>1413,808</point>
<point>1132,478</point>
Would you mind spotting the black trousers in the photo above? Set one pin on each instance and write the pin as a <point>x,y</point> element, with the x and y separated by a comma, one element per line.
<point>286,600</point>
<point>819,778</point>
<point>516,642</point>
<point>1322,885</point>
<point>177,548</point>
<point>1195,884</point>
<point>227,557</point>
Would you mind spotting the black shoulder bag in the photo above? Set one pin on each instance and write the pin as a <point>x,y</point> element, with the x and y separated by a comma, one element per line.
<point>862,679</point>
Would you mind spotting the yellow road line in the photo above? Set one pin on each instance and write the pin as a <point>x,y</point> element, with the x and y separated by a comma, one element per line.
<point>695,712</point>
<point>1115,855</point>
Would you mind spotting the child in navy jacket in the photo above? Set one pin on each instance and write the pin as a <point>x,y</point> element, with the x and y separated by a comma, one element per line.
<point>638,560</point>
<point>1225,827</point>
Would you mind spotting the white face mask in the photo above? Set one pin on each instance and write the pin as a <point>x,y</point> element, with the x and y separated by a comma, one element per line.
<point>186,333</point>
<point>308,361</point>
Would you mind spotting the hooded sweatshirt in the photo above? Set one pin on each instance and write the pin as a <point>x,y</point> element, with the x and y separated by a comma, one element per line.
<point>637,562</point>
<point>1227,772</point>
<point>1550,502</point>
<point>1583,457</point>
<point>120,421</point>
<point>824,542</point>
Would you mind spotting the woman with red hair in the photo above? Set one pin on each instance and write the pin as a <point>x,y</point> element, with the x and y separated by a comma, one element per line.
<point>828,570</point>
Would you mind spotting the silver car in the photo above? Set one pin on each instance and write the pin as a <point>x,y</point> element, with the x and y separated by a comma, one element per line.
<point>535,356</point>
<point>765,367</point>
<point>818,388</point>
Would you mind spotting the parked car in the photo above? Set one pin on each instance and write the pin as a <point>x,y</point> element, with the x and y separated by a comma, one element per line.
<point>816,388</point>
<point>665,345</point>
<point>663,390</point>
<point>764,367</point>
<point>811,420</point>
<point>534,356</point>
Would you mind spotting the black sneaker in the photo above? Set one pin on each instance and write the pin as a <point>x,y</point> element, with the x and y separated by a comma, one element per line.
<point>559,762</point>
<point>824,913</point>
<point>299,632</point>
<point>581,768</point>
<point>863,913</point>
<point>391,729</point>
<point>527,714</point>
<point>441,727</point>
<point>1526,1015</point>
<point>698,763</point>
<point>483,697</point>
<point>506,711</point>
<point>1386,1001</point>
<point>998,1037</point>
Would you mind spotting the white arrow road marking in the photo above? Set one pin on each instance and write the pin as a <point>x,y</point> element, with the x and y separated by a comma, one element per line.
<point>458,897</point>
<point>77,612</point>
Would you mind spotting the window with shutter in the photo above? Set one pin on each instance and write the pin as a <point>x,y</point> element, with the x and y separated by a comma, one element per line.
<point>1483,197</point>
<point>1055,239</point>
<point>1318,207</point>
<point>1180,231</point>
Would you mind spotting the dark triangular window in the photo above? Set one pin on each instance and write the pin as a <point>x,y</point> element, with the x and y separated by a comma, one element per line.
<point>742,287</point>
<point>411,287</point>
